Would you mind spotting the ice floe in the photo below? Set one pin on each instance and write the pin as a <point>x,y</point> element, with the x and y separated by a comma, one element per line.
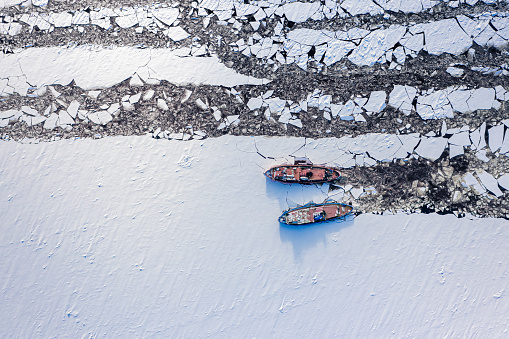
<point>101,67</point>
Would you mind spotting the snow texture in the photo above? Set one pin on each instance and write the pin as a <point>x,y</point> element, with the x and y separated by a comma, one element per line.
<point>135,237</point>
<point>102,68</point>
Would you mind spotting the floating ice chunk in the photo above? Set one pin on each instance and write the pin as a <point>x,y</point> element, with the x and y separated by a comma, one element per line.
<point>400,55</point>
<point>295,122</point>
<point>103,23</point>
<point>51,121</point>
<point>62,19</point>
<point>434,106</point>
<point>335,109</point>
<point>485,36</point>
<point>100,117</point>
<point>255,25</point>
<point>127,21</point>
<point>285,117</point>
<point>254,103</point>
<point>495,137</point>
<point>477,137</point>
<point>73,107</point>
<point>431,148</point>
<point>357,192</point>
<point>199,135</point>
<point>114,109</point>
<point>217,5</point>
<point>161,104</point>
<point>460,139</point>
<point>481,155</point>
<point>380,147</point>
<point>324,102</point>
<point>64,118</point>
<point>458,99</point>
<point>472,27</point>
<point>186,96</point>
<point>408,144</point>
<point>501,93</point>
<point>149,94</point>
<point>29,110</point>
<point>414,43</point>
<point>10,115</point>
<point>375,45</point>
<point>455,71</point>
<point>176,33</point>
<point>482,98</point>
<point>216,113</point>
<point>455,150</point>
<point>470,180</point>
<point>503,181</point>
<point>37,120</point>
<point>166,15</point>
<point>81,18</point>
<point>243,9</point>
<point>347,109</point>
<point>505,145</point>
<point>232,120</point>
<point>490,183</point>
<point>136,80</point>
<point>355,7</point>
<point>201,104</point>
<point>445,36</point>
<point>311,37</point>
<point>402,97</point>
<point>127,106</point>
<point>300,11</point>
<point>135,98</point>
<point>275,104</point>
<point>337,50</point>
<point>40,3</point>
<point>267,94</point>
<point>359,160</point>
<point>259,15</point>
<point>359,117</point>
<point>360,102</point>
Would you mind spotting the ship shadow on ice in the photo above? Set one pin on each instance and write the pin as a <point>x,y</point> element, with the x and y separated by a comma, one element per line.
<point>307,237</point>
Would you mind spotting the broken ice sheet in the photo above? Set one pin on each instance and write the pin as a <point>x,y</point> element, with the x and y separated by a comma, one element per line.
<point>431,148</point>
<point>100,117</point>
<point>356,192</point>
<point>402,97</point>
<point>374,46</point>
<point>503,181</point>
<point>460,139</point>
<point>490,183</point>
<point>434,106</point>
<point>300,11</point>
<point>176,33</point>
<point>409,142</point>
<point>376,102</point>
<point>455,151</point>
<point>381,147</point>
<point>495,137</point>
<point>481,98</point>
<point>470,181</point>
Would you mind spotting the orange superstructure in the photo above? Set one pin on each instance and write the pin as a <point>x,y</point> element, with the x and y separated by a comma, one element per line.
<point>303,173</point>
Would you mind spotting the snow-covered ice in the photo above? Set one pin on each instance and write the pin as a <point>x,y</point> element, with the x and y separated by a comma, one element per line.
<point>135,237</point>
<point>102,67</point>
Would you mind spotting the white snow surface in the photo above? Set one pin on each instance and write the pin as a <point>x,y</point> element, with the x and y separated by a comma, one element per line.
<point>136,237</point>
<point>97,67</point>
